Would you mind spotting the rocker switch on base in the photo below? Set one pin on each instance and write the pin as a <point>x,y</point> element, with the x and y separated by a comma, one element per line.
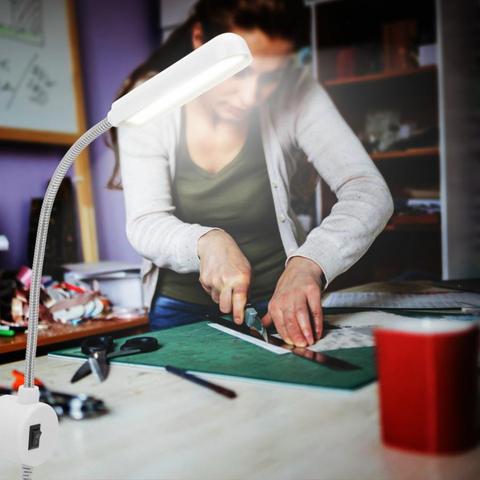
<point>34,436</point>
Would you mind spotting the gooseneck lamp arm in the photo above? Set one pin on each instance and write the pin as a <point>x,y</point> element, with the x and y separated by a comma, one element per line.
<point>40,243</point>
<point>30,427</point>
<point>28,393</point>
<point>191,76</point>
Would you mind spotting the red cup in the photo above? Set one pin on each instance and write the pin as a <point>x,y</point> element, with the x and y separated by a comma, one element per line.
<point>427,373</point>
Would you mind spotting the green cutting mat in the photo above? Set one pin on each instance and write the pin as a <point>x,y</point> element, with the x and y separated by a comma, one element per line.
<point>198,347</point>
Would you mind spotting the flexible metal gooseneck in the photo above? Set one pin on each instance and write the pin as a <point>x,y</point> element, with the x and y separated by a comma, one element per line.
<point>42,231</point>
<point>88,137</point>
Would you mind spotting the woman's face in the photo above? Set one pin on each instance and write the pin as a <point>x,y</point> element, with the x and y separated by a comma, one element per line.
<point>233,99</point>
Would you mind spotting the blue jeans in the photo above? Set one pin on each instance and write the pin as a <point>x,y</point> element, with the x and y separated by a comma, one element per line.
<point>168,312</point>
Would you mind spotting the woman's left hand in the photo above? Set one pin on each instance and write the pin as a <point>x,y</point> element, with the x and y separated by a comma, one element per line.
<point>296,301</point>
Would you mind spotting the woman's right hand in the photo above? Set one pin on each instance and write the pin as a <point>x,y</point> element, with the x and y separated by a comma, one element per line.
<point>225,272</point>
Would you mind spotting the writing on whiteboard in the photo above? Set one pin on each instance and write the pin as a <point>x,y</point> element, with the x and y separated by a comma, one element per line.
<point>37,82</point>
<point>30,80</point>
<point>21,20</point>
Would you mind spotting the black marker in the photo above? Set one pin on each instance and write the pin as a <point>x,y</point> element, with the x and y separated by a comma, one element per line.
<point>226,392</point>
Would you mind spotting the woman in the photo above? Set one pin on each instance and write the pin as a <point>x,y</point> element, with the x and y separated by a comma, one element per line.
<point>208,188</point>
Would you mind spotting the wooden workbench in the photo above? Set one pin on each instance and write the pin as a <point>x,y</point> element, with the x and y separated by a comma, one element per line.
<point>162,427</point>
<point>57,335</point>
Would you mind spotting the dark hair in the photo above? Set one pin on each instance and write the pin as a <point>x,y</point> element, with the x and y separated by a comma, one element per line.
<point>287,19</point>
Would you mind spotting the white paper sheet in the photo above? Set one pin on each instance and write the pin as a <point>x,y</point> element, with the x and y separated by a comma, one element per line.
<point>344,337</point>
<point>401,300</point>
<point>247,338</point>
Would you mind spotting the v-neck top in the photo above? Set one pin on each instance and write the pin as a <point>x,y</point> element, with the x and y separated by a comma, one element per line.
<point>237,199</point>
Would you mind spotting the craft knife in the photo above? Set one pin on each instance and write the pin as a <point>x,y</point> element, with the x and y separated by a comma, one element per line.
<point>253,320</point>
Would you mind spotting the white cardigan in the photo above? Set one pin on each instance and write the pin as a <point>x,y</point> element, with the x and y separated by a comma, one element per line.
<point>298,123</point>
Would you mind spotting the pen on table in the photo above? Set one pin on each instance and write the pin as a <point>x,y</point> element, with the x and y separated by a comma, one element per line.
<point>200,381</point>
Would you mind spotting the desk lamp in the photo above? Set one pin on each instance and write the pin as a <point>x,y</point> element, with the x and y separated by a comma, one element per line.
<point>29,428</point>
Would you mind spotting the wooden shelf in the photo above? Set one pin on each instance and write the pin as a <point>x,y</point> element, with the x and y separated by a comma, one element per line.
<point>411,152</point>
<point>380,76</point>
<point>414,223</point>
<point>57,332</point>
<point>414,227</point>
<point>359,65</point>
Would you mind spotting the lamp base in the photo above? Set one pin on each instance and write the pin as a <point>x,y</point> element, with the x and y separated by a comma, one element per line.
<point>29,428</point>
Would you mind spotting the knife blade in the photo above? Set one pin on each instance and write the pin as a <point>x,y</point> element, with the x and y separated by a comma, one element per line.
<point>99,365</point>
<point>82,372</point>
<point>253,320</point>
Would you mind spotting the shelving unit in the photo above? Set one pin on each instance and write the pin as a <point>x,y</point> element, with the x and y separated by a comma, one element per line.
<point>409,153</point>
<point>380,76</point>
<point>355,29</point>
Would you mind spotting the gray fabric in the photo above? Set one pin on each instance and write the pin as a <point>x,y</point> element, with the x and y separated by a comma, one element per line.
<point>299,122</point>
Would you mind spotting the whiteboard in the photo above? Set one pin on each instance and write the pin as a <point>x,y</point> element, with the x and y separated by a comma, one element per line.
<point>172,14</point>
<point>38,89</point>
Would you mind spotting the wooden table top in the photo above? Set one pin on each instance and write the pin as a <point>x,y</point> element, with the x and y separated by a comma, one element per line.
<point>58,333</point>
<point>163,427</point>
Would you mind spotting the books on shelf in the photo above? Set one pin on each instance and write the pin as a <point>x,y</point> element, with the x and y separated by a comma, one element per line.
<point>417,206</point>
<point>422,193</point>
<point>398,39</point>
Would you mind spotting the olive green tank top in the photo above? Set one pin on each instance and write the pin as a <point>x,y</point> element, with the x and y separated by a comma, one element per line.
<point>237,199</point>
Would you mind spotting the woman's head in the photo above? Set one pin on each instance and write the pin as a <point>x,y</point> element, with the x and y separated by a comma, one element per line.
<point>233,99</point>
<point>273,30</point>
<point>276,18</point>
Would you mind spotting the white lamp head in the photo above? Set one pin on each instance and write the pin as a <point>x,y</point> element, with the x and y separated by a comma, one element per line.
<point>193,75</point>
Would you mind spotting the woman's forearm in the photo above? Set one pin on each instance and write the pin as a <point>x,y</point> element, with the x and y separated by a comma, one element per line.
<point>363,208</point>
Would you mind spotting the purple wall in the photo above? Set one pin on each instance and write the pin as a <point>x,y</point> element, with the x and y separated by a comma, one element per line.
<point>24,174</point>
<point>114,37</point>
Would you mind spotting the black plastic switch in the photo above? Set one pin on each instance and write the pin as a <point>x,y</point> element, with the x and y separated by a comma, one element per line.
<point>34,436</point>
